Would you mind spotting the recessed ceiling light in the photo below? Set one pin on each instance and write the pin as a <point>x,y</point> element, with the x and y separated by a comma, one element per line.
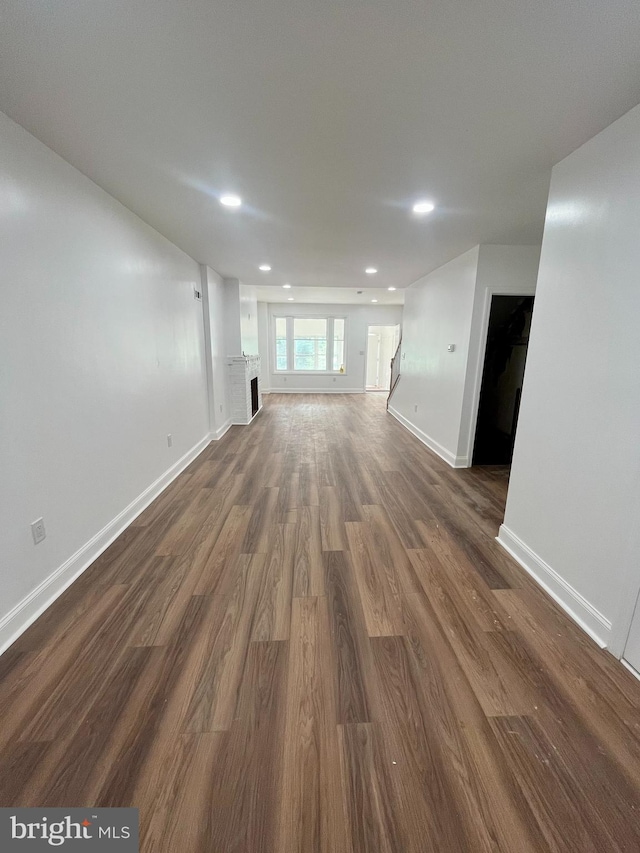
<point>421,207</point>
<point>231,200</point>
<point>286,286</point>
<point>371,270</point>
<point>264,268</point>
<point>391,288</point>
<point>374,300</point>
<point>290,299</point>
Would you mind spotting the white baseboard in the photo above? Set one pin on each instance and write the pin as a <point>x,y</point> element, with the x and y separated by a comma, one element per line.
<point>317,391</point>
<point>17,620</point>
<point>571,601</point>
<point>442,452</point>
<point>217,434</point>
<point>631,669</point>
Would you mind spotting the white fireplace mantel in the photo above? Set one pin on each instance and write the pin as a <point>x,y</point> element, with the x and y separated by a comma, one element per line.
<point>241,370</point>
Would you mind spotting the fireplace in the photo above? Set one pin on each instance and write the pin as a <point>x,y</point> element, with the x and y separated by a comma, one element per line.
<point>255,405</point>
<point>244,387</point>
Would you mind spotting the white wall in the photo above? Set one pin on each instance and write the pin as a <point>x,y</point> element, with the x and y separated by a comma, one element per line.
<point>241,318</point>
<point>437,312</point>
<point>213,289</point>
<point>232,328</point>
<point>451,306</point>
<point>101,356</point>
<point>358,318</point>
<point>249,320</point>
<point>575,482</point>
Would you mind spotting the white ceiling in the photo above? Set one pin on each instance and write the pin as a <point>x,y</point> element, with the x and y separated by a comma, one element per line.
<point>328,295</point>
<point>329,117</point>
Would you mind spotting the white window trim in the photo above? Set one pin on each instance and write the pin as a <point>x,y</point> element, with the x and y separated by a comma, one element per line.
<point>290,318</point>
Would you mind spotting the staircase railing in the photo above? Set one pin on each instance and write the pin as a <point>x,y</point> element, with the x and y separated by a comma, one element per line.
<point>395,370</point>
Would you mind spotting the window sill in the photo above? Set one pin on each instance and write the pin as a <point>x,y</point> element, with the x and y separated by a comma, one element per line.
<point>308,373</point>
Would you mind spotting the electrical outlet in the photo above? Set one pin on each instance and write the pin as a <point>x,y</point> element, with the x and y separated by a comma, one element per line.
<point>37,530</point>
<point>334,378</point>
<point>220,406</point>
<point>197,294</point>
<point>169,440</point>
<point>415,408</point>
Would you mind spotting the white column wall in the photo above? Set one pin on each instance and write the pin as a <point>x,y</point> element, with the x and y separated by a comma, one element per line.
<point>574,495</point>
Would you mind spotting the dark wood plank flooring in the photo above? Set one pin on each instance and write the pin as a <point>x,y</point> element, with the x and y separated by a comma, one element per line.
<point>311,642</point>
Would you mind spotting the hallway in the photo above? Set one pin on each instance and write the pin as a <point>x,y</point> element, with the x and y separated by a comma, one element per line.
<point>311,642</point>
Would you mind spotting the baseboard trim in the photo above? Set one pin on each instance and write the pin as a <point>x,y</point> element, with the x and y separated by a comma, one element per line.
<point>432,444</point>
<point>217,435</point>
<point>572,602</point>
<point>317,391</point>
<point>631,669</point>
<point>18,619</point>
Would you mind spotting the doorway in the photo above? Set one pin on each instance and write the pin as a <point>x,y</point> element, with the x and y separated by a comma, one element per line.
<point>502,376</point>
<point>382,342</point>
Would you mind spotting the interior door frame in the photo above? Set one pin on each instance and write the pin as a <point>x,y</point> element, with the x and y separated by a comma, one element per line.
<point>366,353</point>
<point>481,353</point>
<point>629,597</point>
<point>623,637</point>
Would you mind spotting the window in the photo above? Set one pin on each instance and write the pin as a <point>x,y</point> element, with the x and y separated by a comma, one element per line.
<point>310,344</point>
<point>281,343</point>
<point>338,343</point>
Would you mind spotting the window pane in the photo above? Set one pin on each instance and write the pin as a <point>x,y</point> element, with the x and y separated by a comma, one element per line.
<point>309,344</point>
<point>281,343</point>
<point>338,343</point>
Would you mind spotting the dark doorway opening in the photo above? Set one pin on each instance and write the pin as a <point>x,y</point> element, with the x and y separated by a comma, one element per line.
<point>504,362</point>
<point>254,396</point>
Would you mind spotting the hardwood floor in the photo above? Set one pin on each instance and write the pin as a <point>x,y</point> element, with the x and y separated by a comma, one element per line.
<point>311,642</point>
